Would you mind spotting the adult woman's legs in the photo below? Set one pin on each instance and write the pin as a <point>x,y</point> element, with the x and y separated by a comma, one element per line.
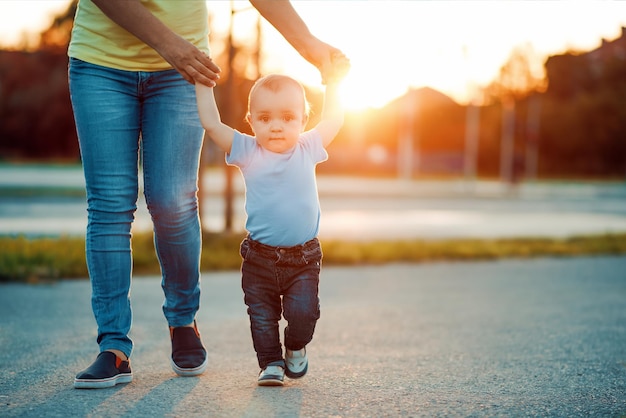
<point>112,108</point>
<point>107,121</point>
<point>171,144</point>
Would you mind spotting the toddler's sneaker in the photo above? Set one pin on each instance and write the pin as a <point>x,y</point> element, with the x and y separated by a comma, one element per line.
<point>108,370</point>
<point>296,362</point>
<point>188,354</point>
<point>271,376</point>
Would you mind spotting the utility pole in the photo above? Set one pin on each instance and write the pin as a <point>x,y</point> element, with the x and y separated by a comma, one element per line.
<point>507,146</point>
<point>229,89</point>
<point>231,96</point>
<point>532,136</point>
<point>472,128</point>
<point>406,157</point>
<point>202,185</point>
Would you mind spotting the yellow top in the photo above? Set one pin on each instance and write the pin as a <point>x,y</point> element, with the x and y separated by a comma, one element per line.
<point>98,40</point>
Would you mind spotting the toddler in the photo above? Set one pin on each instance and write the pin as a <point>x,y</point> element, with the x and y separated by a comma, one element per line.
<point>281,253</point>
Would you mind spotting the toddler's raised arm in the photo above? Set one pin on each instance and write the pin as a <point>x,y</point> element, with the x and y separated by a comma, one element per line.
<point>333,112</point>
<point>219,132</point>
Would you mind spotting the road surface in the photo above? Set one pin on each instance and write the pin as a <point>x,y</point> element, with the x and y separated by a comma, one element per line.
<point>540,337</point>
<point>353,208</point>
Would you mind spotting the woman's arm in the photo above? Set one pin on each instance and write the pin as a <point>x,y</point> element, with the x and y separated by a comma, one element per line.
<point>219,132</point>
<point>290,25</point>
<point>193,64</point>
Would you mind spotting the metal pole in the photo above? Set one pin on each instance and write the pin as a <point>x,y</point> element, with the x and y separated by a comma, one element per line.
<point>406,155</point>
<point>508,140</point>
<point>532,139</point>
<point>230,97</point>
<point>472,124</point>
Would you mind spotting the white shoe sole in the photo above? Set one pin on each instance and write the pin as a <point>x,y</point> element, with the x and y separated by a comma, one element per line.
<point>103,383</point>
<point>191,371</point>
<point>270,382</point>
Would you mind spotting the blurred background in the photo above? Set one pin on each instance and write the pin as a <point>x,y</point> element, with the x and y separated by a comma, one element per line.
<point>459,102</point>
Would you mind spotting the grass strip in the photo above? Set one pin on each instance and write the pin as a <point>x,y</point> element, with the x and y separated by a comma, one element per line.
<point>33,260</point>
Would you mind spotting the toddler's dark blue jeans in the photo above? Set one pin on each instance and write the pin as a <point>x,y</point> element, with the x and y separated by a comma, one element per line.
<point>280,280</point>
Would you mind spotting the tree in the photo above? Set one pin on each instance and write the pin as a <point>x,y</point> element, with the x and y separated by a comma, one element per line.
<point>520,75</point>
<point>35,112</point>
<point>57,36</point>
<point>518,78</point>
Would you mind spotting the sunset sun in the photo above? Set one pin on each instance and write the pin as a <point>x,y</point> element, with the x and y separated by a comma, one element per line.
<point>360,91</point>
<point>393,46</point>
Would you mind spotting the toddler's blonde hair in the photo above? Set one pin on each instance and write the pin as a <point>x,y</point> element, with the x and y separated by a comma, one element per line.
<point>275,82</point>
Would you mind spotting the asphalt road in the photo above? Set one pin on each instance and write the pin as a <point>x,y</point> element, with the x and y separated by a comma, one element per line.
<point>541,337</point>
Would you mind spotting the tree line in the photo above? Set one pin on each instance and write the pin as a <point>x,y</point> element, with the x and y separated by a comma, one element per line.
<point>570,123</point>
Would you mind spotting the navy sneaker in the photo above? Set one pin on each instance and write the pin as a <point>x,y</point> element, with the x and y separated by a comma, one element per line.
<point>188,354</point>
<point>107,371</point>
<point>297,363</point>
<point>271,376</point>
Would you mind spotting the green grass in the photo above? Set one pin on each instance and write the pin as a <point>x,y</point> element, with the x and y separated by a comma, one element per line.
<point>41,259</point>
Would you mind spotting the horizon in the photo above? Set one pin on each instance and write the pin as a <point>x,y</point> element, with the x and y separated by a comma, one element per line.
<point>456,48</point>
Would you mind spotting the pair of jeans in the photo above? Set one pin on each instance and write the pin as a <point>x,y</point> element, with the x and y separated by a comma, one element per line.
<point>275,281</point>
<point>124,120</point>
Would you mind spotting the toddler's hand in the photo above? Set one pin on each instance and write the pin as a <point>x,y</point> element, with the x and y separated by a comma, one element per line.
<point>340,68</point>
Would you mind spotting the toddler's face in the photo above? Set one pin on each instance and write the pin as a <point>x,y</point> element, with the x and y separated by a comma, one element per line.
<point>277,118</point>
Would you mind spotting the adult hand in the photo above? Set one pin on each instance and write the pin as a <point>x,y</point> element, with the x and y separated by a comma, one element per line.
<point>194,65</point>
<point>321,55</point>
<point>288,22</point>
<point>340,68</point>
<point>189,61</point>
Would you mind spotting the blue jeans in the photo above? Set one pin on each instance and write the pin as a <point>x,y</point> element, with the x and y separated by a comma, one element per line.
<point>122,118</point>
<point>269,273</point>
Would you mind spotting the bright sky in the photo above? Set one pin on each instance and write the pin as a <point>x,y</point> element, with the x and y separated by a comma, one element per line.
<point>394,45</point>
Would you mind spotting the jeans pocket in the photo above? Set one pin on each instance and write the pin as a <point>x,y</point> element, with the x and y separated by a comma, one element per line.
<point>313,254</point>
<point>244,249</point>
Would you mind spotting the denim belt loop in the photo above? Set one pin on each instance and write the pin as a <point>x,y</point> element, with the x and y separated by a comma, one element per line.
<point>281,252</point>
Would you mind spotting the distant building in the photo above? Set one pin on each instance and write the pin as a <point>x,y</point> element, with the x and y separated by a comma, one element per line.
<point>610,49</point>
<point>608,52</point>
<point>572,73</point>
